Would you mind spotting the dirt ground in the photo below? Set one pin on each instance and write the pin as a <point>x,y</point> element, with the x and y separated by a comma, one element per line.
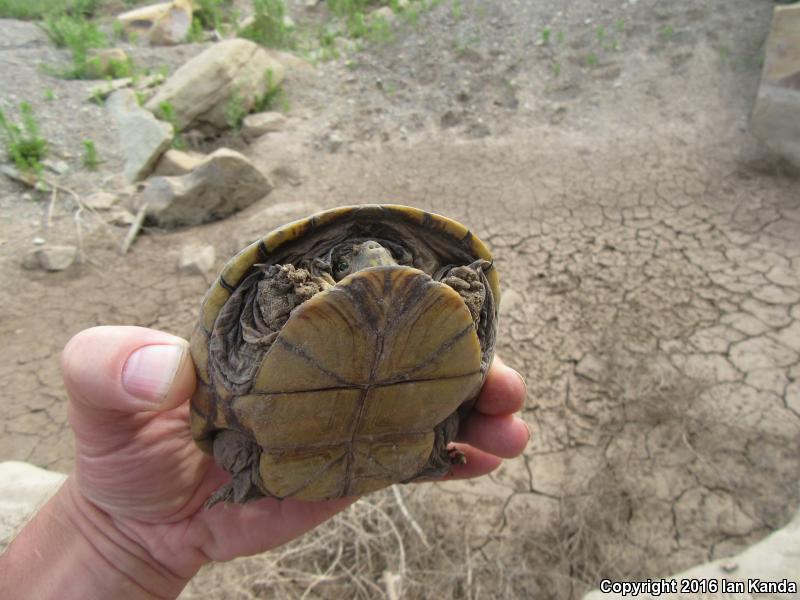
<point>649,253</point>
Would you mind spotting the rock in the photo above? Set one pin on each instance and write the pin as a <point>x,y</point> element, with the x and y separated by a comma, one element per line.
<point>101,200</point>
<point>106,62</point>
<point>175,162</point>
<point>334,141</point>
<point>144,138</point>
<point>201,91</point>
<point>23,489</point>
<point>50,258</point>
<point>258,124</point>
<point>197,259</point>
<point>776,114</point>
<point>163,24</point>
<point>222,184</point>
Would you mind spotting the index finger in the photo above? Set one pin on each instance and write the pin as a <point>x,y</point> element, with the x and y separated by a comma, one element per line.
<point>503,391</point>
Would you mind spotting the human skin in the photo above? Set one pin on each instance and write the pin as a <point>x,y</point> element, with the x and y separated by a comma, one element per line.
<point>129,520</point>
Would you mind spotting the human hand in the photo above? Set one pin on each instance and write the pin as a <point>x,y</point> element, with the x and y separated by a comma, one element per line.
<point>140,482</point>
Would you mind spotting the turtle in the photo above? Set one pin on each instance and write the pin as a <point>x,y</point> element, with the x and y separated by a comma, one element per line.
<point>338,354</point>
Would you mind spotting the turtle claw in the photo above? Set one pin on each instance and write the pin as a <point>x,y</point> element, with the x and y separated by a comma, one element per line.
<point>456,457</point>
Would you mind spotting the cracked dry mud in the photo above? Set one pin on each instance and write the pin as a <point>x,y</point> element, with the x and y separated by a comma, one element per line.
<point>649,252</point>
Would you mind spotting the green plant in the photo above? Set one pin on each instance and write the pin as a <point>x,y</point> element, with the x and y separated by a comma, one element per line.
<point>235,112</point>
<point>667,32</point>
<point>91,159</point>
<point>591,60</point>
<point>23,143</point>
<point>212,14</point>
<point>457,10</point>
<point>167,113</point>
<point>546,36</point>
<point>269,26</point>
<point>39,9</point>
<point>560,37</point>
<point>556,68</point>
<point>601,34</point>
<point>49,95</point>
<point>273,97</point>
<point>81,36</point>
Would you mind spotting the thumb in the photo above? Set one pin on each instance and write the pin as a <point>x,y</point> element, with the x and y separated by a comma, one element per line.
<point>126,369</point>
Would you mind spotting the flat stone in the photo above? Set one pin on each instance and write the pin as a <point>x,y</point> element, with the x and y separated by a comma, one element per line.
<point>760,353</point>
<point>258,124</point>
<point>224,183</point>
<point>197,259</point>
<point>144,138</point>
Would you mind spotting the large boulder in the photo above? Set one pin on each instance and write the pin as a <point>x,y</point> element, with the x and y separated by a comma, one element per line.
<point>776,114</point>
<point>203,92</point>
<point>144,138</point>
<point>224,183</point>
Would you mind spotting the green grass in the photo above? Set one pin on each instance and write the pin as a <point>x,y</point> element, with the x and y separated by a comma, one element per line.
<point>273,98</point>
<point>40,9</point>
<point>546,36</point>
<point>81,36</point>
<point>269,27</point>
<point>167,113</point>
<point>235,111</point>
<point>24,144</point>
<point>91,159</point>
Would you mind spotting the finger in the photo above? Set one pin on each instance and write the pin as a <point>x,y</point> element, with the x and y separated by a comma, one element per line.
<point>503,391</point>
<point>477,463</point>
<point>503,435</point>
<point>126,369</point>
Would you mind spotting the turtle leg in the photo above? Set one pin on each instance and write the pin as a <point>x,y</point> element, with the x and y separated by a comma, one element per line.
<point>466,280</point>
<point>443,458</point>
<point>239,455</point>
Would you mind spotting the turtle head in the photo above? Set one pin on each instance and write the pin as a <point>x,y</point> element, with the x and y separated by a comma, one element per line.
<point>350,257</point>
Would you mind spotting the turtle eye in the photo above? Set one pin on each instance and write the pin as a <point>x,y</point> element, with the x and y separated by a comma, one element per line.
<point>341,266</point>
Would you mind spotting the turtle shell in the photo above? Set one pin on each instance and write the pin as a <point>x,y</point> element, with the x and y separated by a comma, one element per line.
<point>348,395</point>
